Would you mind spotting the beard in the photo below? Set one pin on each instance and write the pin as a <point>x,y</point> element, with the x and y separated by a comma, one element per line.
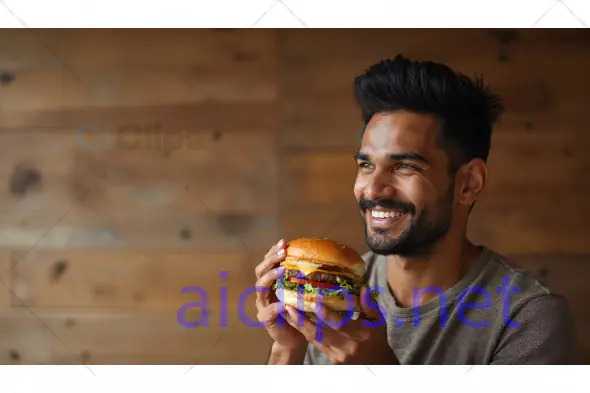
<point>422,233</point>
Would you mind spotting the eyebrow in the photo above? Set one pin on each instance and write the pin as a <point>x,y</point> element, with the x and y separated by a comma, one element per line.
<point>395,157</point>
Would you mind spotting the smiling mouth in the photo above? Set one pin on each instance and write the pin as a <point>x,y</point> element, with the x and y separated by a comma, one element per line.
<point>385,218</point>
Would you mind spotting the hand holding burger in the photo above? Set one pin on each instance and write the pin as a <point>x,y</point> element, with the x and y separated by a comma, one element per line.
<point>320,283</point>
<point>321,270</point>
<point>270,312</point>
<point>362,341</point>
<point>322,279</point>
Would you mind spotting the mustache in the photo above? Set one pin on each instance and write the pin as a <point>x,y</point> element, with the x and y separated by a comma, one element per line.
<point>387,204</point>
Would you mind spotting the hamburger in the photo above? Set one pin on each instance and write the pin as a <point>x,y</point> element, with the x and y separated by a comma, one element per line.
<point>321,267</point>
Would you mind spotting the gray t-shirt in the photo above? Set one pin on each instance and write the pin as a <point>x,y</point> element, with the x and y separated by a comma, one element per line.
<point>507,317</point>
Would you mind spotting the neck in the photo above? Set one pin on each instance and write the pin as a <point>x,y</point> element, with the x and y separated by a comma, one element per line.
<point>448,262</point>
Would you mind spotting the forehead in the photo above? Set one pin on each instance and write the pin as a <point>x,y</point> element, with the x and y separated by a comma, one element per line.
<point>401,131</point>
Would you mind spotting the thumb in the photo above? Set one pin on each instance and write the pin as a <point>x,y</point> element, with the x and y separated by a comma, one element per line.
<point>369,307</point>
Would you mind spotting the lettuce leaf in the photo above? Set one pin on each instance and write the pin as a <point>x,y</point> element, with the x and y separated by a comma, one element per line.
<point>308,288</point>
<point>344,288</point>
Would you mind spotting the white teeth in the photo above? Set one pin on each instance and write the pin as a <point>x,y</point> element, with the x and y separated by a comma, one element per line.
<point>386,214</point>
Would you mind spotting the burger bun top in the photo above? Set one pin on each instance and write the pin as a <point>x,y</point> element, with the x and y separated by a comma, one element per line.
<point>324,251</point>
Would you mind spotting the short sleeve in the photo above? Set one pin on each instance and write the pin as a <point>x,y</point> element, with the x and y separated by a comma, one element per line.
<point>308,359</point>
<point>545,334</point>
<point>314,356</point>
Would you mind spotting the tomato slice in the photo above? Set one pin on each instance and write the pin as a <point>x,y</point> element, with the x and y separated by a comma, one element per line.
<point>313,283</point>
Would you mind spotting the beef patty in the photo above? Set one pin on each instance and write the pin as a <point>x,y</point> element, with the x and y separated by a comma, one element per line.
<point>328,278</point>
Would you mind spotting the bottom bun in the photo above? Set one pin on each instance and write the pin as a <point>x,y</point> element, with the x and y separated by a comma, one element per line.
<point>308,301</point>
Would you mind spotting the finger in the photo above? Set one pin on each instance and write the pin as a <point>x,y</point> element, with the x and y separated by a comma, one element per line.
<point>268,315</point>
<point>273,250</point>
<point>269,261</point>
<point>369,307</point>
<point>264,283</point>
<point>371,311</point>
<point>300,322</point>
<point>316,334</point>
<point>334,344</point>
<point>335,320</point>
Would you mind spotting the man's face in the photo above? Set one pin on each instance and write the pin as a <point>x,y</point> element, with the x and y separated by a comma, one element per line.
<point>403,187</point>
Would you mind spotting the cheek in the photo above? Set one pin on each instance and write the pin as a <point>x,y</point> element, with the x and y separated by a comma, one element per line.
<point>359,187</point>
<point>417,191</point>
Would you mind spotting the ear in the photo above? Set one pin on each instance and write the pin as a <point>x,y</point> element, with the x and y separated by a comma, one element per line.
<point>474,177</point>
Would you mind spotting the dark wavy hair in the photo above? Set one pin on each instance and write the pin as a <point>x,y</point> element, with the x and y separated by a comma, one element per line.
<point>465,108</point>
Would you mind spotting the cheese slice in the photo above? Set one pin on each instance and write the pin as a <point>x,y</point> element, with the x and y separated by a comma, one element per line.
<point>308,268</point>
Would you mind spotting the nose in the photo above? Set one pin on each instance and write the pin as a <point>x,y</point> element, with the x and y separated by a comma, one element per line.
<point>379,186</point>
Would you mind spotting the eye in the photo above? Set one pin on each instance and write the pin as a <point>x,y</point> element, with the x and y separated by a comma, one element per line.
<point>364,165</point>
<point>407,167</point>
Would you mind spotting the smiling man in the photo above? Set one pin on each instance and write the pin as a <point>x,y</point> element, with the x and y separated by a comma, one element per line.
<point>444,300</point>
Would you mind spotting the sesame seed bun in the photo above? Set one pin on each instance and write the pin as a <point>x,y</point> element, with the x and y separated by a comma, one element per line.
<point>325,252</point>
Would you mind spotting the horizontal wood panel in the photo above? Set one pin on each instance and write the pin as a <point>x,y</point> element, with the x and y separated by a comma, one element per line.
<point>212,160</point>
<point>317,177</point>
<point>127,86</point>
<point>553,162</point>
<point>58,71</point>
<point>110,337</point>
<point>150,231</point>
<point>208,115</point>
<point>139,47</point>
<point>57,193</point>
<point>150,280</point>
<point>544,223</point>
<point>299,44</point>
<point>305,48</point>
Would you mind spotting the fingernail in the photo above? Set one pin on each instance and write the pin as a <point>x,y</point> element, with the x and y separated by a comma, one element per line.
<point>280,243</point>
<point>281,252</point>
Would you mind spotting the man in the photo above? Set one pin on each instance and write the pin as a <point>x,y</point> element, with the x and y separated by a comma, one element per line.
<point>444,300</point>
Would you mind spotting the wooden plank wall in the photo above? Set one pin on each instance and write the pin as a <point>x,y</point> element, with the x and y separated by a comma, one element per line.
<point>203,147</point>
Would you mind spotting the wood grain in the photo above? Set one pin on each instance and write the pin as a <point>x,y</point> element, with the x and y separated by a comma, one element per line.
<point>115,337</point>
<point>205,116</point>
<point>97,64</point>
<point>214,196</point>
<point>318,177</point>
<point>131,279</point>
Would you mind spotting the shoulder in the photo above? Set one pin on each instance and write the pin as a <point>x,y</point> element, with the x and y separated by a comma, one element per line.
<point>537,322</point>
<point>526,291</point>
<point>507,273</point>
<point>529,291</point>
